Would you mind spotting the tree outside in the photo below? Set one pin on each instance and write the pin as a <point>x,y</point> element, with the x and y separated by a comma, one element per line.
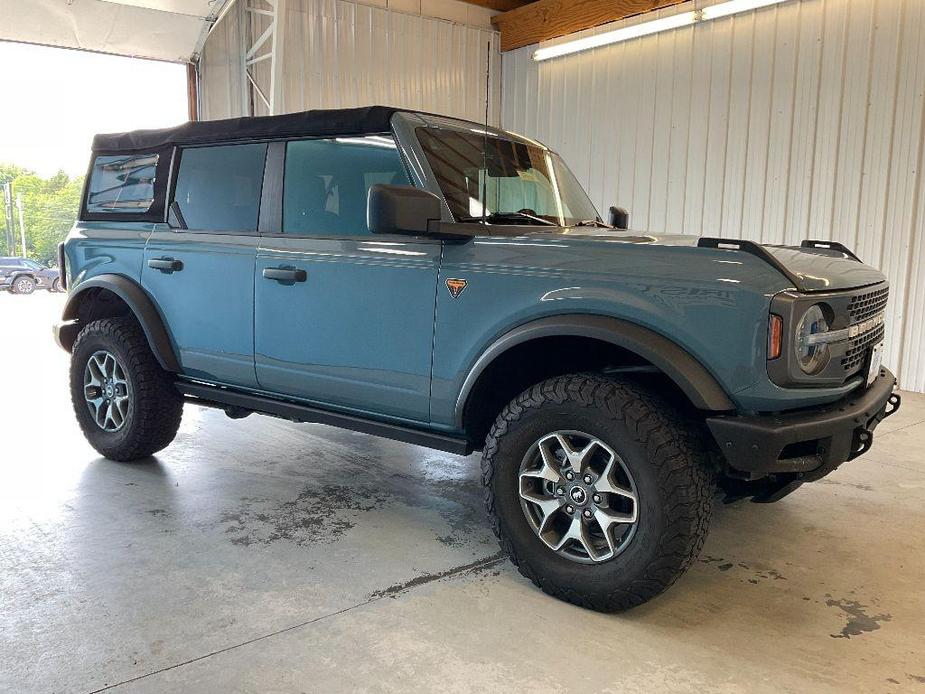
<point>50,207</point>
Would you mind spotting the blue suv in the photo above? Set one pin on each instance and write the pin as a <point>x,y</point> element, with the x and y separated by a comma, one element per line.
<point>451,285</point>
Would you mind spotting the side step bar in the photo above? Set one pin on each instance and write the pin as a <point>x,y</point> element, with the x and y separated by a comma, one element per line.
<point>239,403</point>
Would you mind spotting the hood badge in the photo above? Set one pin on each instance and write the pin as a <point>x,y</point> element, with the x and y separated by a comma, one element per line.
<point>456,286</point>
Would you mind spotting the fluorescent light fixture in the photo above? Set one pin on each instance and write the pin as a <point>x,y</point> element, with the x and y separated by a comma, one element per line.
<point>675,21</point>
<point>724,9</point>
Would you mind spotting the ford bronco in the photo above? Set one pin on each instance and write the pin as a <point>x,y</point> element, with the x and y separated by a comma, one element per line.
<point>451,285</point>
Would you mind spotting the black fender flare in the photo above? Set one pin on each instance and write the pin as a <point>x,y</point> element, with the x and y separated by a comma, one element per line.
<point>698,384</point>
<point>140,304</point>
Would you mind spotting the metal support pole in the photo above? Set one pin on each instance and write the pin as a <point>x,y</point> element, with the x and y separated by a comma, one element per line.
<point>22,225</point>
<point>8,206</point>
<point>277,50</point>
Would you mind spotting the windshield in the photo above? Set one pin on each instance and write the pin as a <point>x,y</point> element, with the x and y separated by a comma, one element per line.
<point>504,180</point>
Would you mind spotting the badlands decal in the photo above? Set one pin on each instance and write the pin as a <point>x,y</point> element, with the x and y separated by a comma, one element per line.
<point>456,287</point>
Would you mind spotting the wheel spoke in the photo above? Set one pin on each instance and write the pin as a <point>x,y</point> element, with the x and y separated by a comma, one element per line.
<point>119,408</point>
<point>94,376</point>
<point>572,456</point>
<point>547,507</point>
<point>606,483</point>
<point>577,532</point>
<point>606,518</point>
<point>118,376</point>
<point>549,466</point>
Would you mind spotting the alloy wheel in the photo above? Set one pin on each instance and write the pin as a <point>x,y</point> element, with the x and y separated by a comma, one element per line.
<point>106,391</point>
<point>578,496</point>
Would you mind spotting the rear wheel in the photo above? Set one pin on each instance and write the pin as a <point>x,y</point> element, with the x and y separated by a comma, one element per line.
<point>23,285</point>
<point>599,490</point>
<point>125,403</point>
<point>56,285</point>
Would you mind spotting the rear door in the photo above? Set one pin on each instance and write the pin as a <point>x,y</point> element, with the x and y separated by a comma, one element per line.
<point>344,318</point>
<point>201,271</point>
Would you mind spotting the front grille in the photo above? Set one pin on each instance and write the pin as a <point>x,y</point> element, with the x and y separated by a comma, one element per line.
<point>863,306</point>
<point>857,349</point>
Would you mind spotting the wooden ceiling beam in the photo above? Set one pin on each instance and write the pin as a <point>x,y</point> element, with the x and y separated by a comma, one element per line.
<point>499,5</point>
<point>547,19</point>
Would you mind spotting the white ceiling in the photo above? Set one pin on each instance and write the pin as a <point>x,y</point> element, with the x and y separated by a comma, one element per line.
<point>162,29</point>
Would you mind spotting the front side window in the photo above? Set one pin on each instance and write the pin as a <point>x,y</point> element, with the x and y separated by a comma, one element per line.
<point>122,184</point>
<point>327,182</point>
<point>504,180</point>
<point>218,188</point>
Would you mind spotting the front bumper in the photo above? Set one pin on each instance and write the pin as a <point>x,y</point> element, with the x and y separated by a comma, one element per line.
<point>65,333</point>
<point>809,443</point>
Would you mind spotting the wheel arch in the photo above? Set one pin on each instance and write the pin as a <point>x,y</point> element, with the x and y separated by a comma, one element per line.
<point>136,300</point>
<point>681,368</point>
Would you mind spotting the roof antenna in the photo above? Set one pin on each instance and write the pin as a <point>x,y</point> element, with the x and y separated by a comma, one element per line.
<point>485,135</point>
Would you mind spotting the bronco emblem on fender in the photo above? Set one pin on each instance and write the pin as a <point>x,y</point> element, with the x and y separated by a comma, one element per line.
<point>456,286</point>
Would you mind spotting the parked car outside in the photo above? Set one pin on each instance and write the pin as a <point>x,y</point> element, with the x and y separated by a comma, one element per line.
<point>23,276</point>
<point>449,284</point>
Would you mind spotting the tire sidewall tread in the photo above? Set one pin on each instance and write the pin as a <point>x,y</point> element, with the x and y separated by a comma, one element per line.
<point>669,463</point>
<point>156,407</point>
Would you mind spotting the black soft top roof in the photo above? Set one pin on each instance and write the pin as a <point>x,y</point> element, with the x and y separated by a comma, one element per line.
<point>345,121</point>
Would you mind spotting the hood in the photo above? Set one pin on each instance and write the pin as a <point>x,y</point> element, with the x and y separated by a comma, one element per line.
<point>810,269</point>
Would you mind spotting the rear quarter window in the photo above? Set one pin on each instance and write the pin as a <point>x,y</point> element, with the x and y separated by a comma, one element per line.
<point>122,184</point>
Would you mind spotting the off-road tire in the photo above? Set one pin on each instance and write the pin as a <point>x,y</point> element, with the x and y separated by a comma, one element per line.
<point>667,456</point>
<point>155,406</point>
<point>23,285</point>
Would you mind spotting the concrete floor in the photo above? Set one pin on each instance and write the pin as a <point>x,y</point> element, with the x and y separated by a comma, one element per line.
<point>258,555</point>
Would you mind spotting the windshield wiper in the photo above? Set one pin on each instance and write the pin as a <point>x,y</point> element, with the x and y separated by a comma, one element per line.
<point>591,223</point>
<point>509,217</point>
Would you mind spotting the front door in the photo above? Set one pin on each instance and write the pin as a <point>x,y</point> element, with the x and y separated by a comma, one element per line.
<point>341,317</point>
<point>201,271</point>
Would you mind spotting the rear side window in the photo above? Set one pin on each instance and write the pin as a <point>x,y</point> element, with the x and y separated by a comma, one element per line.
<point>218,188</point>
<point>327,181</point>
<point>122,184</point>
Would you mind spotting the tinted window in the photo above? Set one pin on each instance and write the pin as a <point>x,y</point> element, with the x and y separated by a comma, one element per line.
<point>122,184</point>
<point>496,176</point>
<point>327,182</point>
<point>218,188</point>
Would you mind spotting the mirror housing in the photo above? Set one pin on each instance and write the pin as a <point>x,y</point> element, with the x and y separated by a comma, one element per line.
<point>619,218</point>
<point>401,210</point>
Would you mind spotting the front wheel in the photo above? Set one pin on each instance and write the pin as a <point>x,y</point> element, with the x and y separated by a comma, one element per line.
<point>125,403</point>
<point>598,490</point>
<point>23,285</point>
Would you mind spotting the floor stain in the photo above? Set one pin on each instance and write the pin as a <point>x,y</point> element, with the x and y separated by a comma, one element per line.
<point>318,515</point>
<point>853,485</point>
<point>917,678</point>
<point>475,567</point>
<point>859,621</point>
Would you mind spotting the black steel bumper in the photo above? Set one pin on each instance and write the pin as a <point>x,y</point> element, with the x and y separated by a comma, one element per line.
<point>808,443</point>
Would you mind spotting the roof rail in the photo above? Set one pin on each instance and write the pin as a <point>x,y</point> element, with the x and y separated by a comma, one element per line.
<point>832,246</point>
<point>752,248</point>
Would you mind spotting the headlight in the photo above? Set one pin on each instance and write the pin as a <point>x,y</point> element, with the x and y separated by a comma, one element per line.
<point>811,355</point>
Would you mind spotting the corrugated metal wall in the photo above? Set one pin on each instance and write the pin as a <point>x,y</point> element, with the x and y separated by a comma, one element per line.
<point>803,120</point>
<point>340,54</point>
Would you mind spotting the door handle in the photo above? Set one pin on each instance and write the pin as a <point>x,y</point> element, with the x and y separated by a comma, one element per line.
<point>165,265</point>
<point>285,275</point>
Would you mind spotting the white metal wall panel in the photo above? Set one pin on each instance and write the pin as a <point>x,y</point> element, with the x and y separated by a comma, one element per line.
<point>802,120</point>
<point>339,54</point>
<point>220,72</point>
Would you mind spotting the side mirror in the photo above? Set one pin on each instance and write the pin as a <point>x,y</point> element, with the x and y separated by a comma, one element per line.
<point>401,210</point>
<point>619,218</point>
